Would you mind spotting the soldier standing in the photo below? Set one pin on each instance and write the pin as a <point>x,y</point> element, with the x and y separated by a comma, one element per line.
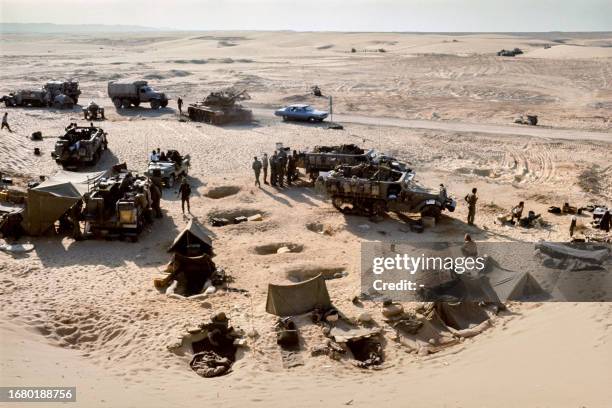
<point>273,168</point>
<point>5,122</point>
<point>257,169</point>
<point>264,163</point>
<point>156,200</point>
<point>282,168</point>
<point>290,169</point>
<point>179,102</point>
<point>185,192</point>
<point>471,200</point>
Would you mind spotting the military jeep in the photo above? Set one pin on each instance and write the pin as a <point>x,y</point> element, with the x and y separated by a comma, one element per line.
<point>80,145</point>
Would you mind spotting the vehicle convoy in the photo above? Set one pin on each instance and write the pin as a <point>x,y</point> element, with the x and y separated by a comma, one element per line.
<point>166,172</point>
<point>80,145</point>
<point>301,113</point>
<point>93,111</point>
<point>26,97</point>
<point>326,158</point>
<point>371,189</point>
<point>126,94</point>
<point>117,207</point>
<point>67,88</point>
<point>220,108</point>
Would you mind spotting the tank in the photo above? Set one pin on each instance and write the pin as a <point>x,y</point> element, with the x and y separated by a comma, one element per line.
<point>220,108</point>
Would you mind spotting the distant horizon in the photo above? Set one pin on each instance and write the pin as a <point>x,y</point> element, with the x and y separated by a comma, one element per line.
<point>413,16</point>
<point>139,28</point>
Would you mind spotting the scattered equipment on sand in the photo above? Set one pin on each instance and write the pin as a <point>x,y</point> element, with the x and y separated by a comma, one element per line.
<point>68,89</point>
<point>220,108</point>
<point>531,120</point>
<point>509,53</point>
<point>80,145</point>
<point>126,94</point>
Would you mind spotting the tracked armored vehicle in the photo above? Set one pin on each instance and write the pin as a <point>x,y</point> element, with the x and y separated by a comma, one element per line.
<point>80,146</point>
<point>371,189</point>
<point>118,207</point>
<point>220,108</point>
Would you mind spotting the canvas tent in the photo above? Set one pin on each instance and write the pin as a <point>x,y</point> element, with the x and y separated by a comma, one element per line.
<point>514,286</point>
<point>291,300</point>
<point>48,201</point>
<point>192,241</point>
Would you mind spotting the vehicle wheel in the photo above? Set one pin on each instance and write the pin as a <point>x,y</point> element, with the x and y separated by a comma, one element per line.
<point>311,119</point>
<point>155,104</point>
<point>431,211</point>
<point>379,207</point>
<point>117,103</point>
<point>126,103</point>
<point>164,103</point>
<point>76,100</point>
<point>284,118</point>
<point>136,104</point>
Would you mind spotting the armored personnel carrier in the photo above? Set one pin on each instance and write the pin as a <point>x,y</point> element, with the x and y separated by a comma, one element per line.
<point>118,207</point>
<point>80,145</point>
<point>67,88</point>
<point>326,158</point>
<point>220,108</point>
<point>373,189</point>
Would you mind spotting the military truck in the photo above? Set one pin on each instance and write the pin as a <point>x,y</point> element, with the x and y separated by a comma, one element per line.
<point>220,108</point>
<point>27,97</point>
<point>68,88</point>
<point>118,207</point>
<point>166,172</point>
<point>371,189</point>
<point>80,145</point>
<point>126,94</point>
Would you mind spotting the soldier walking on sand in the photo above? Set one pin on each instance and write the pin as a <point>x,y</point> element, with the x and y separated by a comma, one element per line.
<point>471,200</point>
<point>179,102</point>
<point>264,164</point>
<point>257,169</point>
<point>5,122</point>
<point>185,192</point>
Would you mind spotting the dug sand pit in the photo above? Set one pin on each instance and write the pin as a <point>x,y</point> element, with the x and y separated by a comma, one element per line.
<point>232,214</point>
<point>320,228</point>
<point>222,191</point>
<point>305,272</point>
<point>278,248</point>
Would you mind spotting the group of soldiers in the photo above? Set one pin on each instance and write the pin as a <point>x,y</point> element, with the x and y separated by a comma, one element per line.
<point>283,168</point>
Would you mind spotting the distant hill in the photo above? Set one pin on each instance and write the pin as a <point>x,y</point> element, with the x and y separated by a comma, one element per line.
<point>49,28</point>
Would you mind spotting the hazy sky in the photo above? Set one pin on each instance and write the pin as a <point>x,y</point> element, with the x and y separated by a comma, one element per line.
<point>338,15</point>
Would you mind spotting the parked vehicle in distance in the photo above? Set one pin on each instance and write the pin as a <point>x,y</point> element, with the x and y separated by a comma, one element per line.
<point>26,97</point>
<point>126,94</point>
<point>301,112</point>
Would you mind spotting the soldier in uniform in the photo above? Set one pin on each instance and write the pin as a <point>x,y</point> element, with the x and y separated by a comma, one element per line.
<point>471,200</point>
<point>282,168</point>
<point>257,169</point>
<point>5,122</point>
<point>290,169</point>
<point>273,168</point>
<point>264,163</point>
<point>156,195</point>
<point>179,102</point>
<point>185,192</point>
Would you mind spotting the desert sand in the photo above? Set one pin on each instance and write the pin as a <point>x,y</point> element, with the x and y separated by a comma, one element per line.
<point>87,314</point>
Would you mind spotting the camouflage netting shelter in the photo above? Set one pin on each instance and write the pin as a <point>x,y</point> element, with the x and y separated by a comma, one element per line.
<point>51,199</point>
<point>291,300</point>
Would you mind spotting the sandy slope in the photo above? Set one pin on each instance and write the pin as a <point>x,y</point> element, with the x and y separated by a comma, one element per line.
<point>95,300</point>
